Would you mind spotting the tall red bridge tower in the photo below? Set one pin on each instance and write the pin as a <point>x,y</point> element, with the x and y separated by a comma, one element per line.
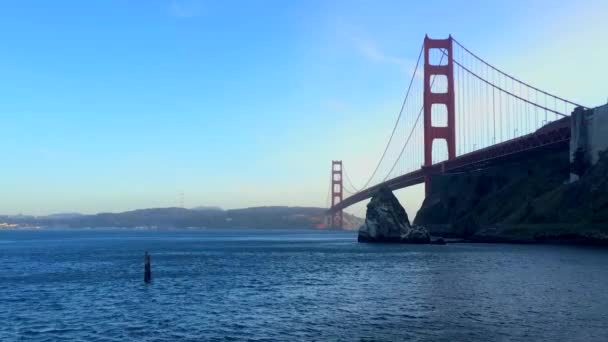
<point>336,193</point>
<point>435,101</point>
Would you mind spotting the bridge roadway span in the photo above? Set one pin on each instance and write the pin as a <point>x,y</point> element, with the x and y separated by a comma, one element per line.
<point>555,135</point>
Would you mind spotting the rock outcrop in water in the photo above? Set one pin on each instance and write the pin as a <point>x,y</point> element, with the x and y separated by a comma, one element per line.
<point>387,221</point>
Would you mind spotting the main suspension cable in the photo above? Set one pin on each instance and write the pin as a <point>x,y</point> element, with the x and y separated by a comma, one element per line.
<point>397,122</point>
<point>349,181</point>
<point>413,128</point>
<point>508,92</point>
<point>513,78</point>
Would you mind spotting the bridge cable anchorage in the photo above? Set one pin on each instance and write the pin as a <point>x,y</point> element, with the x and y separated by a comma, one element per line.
<point>514,78</point>
<point>508,92</point>
<point>413,128</point>
<point>397,122</point>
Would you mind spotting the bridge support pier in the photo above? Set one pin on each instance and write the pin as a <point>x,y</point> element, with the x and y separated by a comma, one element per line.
<point>427,181</point>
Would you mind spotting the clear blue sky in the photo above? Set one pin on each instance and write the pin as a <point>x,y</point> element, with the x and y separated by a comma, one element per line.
<point>115,105</point>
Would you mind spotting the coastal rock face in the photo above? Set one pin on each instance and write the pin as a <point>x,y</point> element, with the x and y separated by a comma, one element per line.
<point>523,201</point>
<point>416,234</point>
<point>387,221</point>
<point>461,204</point>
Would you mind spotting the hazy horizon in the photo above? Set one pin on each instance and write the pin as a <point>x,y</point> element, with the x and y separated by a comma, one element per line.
<point>196,207</point>
<point>113,106</point>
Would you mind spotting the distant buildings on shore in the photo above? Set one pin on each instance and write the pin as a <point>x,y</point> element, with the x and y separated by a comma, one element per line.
<point>5,225</point>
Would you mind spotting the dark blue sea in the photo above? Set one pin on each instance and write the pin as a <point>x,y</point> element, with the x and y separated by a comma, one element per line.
<point>286,285</point>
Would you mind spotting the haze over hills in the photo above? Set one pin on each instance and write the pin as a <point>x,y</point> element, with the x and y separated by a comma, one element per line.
<point>205,207</point>
<point>199,217</point>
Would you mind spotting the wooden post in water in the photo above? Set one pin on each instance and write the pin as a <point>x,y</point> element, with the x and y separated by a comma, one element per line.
<point>147,269</point>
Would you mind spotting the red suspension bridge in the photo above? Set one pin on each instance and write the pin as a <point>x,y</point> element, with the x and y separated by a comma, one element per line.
<point>464,114</point>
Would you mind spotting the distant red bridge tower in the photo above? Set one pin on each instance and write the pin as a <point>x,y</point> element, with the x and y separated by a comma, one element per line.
<point>336,219</point>
<point>436,100</point>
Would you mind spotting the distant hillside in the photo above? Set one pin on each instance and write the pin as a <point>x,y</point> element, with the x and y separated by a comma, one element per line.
<point>258,217</point>
<point>207,208</point>
<point>60,216</point>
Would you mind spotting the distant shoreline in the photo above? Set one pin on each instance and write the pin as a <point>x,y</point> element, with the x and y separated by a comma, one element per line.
<point>162,218</point>
<point>556,239</point>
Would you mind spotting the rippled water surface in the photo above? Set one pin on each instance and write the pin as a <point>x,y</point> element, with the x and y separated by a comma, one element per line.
<point>294,285</point>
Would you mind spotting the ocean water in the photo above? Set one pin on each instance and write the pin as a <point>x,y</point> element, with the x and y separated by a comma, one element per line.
<point>287,285</point>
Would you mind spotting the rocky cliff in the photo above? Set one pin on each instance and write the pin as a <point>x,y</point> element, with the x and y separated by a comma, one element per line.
<point>387,221</point>
<point>526,201</point>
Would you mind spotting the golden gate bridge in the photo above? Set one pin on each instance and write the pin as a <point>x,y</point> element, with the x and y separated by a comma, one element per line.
<point>459,113</point>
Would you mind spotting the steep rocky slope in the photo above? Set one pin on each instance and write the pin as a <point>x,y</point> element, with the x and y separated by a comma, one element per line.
<point>526,201</point>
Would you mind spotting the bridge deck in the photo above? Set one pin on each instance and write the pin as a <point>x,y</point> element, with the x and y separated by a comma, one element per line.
<point>551,136</point>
